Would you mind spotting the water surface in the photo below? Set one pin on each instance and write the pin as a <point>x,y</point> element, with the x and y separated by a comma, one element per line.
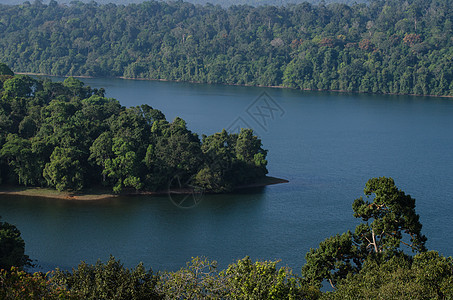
<point>326,144</point>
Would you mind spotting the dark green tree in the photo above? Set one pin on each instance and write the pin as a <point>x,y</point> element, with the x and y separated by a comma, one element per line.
<point>19,155</point>
<point>69,136</point>
<point>64,171</point>
<point>5,70</point>
<point>12,247</point>
<point>122,167</point>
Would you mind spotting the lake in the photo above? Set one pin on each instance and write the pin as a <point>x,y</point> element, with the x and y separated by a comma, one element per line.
<point>326,144</point>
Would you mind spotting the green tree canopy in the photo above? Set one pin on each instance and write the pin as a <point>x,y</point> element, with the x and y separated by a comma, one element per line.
<point>12,247</point>
<point>391,226</point>
<point>427,276</point>
<point>5,70</point>
<point>69,136</point>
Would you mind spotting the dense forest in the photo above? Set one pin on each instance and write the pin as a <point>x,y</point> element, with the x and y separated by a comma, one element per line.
<point>384,258</point>
<point>68,136</point>
<point>385,46</point>
<point>224,3</point>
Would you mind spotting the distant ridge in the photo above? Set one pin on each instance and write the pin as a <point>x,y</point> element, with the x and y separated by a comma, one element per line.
<point>224,3</point>
<point>385,47</point>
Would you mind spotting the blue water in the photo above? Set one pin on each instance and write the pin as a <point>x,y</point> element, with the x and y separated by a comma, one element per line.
<point>326,144</point>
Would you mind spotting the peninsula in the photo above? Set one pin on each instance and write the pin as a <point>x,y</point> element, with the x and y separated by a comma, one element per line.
<point>69,137</point>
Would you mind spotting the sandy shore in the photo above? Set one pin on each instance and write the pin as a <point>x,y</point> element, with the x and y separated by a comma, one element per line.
<point>102,194</point>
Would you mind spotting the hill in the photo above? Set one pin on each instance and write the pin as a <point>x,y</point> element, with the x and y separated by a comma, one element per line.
<point>383,47</point>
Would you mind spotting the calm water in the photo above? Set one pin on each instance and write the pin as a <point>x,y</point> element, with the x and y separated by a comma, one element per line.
<point>326,144</point>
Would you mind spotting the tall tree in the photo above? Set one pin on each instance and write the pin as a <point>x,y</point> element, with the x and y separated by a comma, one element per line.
<point>391,226</point>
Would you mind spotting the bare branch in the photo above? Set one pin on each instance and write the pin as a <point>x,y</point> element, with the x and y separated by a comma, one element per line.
<point>331,284</point>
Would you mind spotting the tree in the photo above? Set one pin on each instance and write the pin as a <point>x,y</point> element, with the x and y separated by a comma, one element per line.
<point>20,86</point>
<point>77,87</point>
<point>5,70</point>
<point>263,280</point>
<point>20,157</point>
<point>64,171</point>
<point>218,152</point>
<point>244,279</point>
<point>393,219</point>
<point>427,275</point>
<point>123,166</point>
<point>391,222</point>
<point>175,151</point>
<point>251,157</point>
<point>110,280</point>
<point>334,259</point>
<point>101,150</point>
<point>12,247</point>
<point>18,284</point>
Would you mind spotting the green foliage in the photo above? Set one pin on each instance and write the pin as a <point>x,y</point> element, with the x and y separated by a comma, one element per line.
<point>393,222</point>
<point>231,160</point>
<point>199,280</point>
<point>393,215</point>
<point>64,171</point>
<point>5,70</point>
<point>427,276</point>
<point>262,280</point>
<point>122,166</point>
<point>12,247</point>
<point>110,280</point>
<point>19,155</point>
<point>69,136</point>
<point>336,257</point>
<point>17,284</point>
<point>379,47</point>
<point>242,280</point>
<point>358,273</point>
<point>19,86</point>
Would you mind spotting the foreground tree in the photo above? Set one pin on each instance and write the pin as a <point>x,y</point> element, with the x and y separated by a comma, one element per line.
<point>394,221</point>
<point>18,284</point>
<point>12,247</point>
<point>427,276</point>
<point>391,227</point>
<point>244,279</point>
<point>110,280</point>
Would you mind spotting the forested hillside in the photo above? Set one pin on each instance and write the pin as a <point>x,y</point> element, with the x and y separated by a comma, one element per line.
<point>69,137</point>
<point>223,3</point>
<point>387,46</point>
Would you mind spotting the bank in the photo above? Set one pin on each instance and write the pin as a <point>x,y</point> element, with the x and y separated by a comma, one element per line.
<point>100,193</point>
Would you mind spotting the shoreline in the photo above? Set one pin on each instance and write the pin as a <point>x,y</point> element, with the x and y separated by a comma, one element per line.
<point>104,194</point>
<point>232,84</point>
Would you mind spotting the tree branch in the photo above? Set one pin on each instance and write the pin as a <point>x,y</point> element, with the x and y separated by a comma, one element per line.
<point>374,240</point>
<point>331,284</point>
